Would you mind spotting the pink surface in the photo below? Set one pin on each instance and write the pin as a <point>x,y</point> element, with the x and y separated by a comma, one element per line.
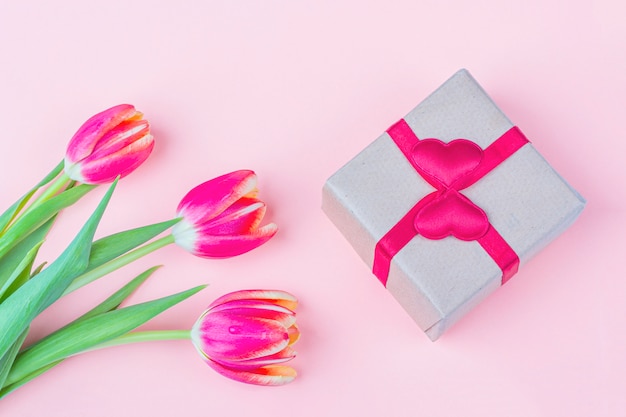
<point>293,90</point>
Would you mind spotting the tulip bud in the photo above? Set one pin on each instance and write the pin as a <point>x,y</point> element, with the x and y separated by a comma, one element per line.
<point>244,335</point>
<point>110,144</point>
<point>221,217</point>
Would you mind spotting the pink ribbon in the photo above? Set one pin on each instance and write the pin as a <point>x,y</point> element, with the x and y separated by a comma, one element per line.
<point>450,168</point>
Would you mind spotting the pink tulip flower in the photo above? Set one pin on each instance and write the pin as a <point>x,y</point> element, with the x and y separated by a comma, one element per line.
<point>110,144</point>
<point>244,335</point>
<point>221,217</point>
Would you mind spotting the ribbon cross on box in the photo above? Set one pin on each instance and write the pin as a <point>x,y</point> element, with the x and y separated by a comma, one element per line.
<point>449,167</point>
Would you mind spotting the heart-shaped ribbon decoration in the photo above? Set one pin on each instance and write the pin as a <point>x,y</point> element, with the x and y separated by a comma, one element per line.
<point>451,214</point>
<point>446,162</point>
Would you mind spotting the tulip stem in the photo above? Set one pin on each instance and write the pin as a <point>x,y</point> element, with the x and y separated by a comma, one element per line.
<point>145,336</point>
<point>117,263</point>
<point>60,183</point>
<point>128,338</point>
<point>57,186</point>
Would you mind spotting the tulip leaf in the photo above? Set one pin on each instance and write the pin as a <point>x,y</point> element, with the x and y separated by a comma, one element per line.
<point>14,257</point>
<point>110,247</point>
<point>12,387</point>
<point>7,360</point>
<point>38,269</point>
<point>84,335</point>
<point>21,307</point>
<point>21,273</point>
<point>113,252</point>
<point>11,212</point>
<point>118,297</point>
<point>51,175</point>
<point>33,219</point>
<point>107,305</point>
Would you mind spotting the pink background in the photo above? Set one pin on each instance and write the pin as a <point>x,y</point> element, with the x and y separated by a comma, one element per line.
<point>293,89</point>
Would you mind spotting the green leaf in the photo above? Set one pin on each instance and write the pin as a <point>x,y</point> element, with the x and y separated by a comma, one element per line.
<point>15,256</point>
<point>118,297</point>
<point>38,269</point>
<point>7,360</point>
<point>110,247</point>
<point>86,334</point>
<point>21,273</point>
<point>107,259</point>
<point>107,305</point>
<point>33,219</point>
<point>52,174</point>
<point>9,214</point>
<point>21,307</point>
<point>12,387</point>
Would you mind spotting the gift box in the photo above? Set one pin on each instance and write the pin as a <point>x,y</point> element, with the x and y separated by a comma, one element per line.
<point>448,203</point>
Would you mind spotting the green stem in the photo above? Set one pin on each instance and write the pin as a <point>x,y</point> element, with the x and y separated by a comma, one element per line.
<point>117,263</point>
<point>8,388</point>
<point>8,217</point>
<point>144,336</point>
<point>57,186</point>
<point>53,189</point>
<point>128,338</point>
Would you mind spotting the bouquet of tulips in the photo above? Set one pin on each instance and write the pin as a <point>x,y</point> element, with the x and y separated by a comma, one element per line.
<point>244,335</point>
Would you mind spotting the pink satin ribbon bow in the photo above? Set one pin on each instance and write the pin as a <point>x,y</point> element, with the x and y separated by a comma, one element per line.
<point>450,168</point>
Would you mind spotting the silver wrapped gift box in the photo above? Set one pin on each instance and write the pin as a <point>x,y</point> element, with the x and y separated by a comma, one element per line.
<point>437,279</point>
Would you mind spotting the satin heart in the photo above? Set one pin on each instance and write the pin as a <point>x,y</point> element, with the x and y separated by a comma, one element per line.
<point>446,162</point>
<point>451,214</point>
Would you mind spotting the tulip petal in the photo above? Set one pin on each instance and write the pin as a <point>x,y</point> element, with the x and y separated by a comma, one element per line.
<point>185,235</point>
<point>245,334</point>
<point>229,336</point>
<point>282,298</point>
<point>84,140</point>
<point>120,137</point>
<point>258,308</point>
<point>243,216</point>
<point>294,334</point>
<point>121,163</point>
<point>111,144</point>
<point>249,303</point>
<point>221,217</point>
<point>211,198</point>
<point>284,355</point>
<point>267,375</point>
<point>209,246</point>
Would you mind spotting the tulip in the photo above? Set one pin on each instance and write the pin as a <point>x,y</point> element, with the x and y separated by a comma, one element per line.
<point>245,334</point>
<point>110,144</point>
<point>217,219</point>
<point>220,218</point>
